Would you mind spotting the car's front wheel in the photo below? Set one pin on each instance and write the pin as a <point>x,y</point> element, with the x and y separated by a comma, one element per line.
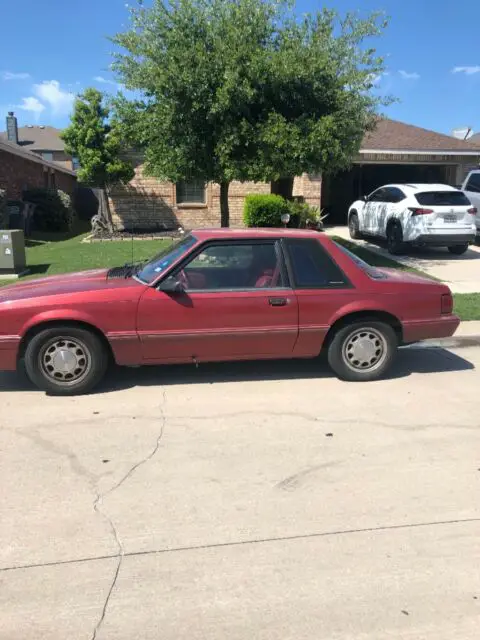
<point>66,360</point>
<point>363,350</point>
<point>354,226</point>
<point>458,249</point>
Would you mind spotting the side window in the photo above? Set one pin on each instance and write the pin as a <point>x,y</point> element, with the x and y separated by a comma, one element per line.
<point>394,194</point>
<point>473,183</point>
<point>312,266</point>
<point>377,196</point>
<point>234,266</point>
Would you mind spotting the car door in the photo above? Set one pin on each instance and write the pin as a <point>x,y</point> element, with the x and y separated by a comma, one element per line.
<point>389,207</point>
<point>236,303</point>
<point>472,191</point>
<point>370,210</point>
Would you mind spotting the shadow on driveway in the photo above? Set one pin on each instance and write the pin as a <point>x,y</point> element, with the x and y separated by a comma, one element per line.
<point>415,359</point>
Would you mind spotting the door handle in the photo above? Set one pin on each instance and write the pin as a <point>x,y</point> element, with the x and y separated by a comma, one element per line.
<point>277,302</point>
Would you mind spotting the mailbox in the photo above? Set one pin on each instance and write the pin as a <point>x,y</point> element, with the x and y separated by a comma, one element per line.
<point>12,252</point>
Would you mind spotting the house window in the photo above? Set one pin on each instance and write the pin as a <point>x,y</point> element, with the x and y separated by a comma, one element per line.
<point>75,164</point>
<point>192,192</point>
<point>47,155</point>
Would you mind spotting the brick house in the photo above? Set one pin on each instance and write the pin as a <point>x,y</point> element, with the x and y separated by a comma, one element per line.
<point>21,169</point>
<point>41,140</point>
<point>394,152</point>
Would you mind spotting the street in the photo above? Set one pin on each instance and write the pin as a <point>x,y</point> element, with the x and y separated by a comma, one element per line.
<point>265,501</point>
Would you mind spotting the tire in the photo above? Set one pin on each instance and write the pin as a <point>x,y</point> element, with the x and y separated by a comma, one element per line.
<point>348,365</point>
<point>81,352</point>
<point>395,244</point>
<point>354,226</point>
<point>458,249</point>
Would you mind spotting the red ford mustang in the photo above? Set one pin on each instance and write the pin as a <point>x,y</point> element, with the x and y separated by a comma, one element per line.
<point>220,295</point>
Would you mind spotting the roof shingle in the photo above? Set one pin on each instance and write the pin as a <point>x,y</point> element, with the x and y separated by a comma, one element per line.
<point>38,138</point>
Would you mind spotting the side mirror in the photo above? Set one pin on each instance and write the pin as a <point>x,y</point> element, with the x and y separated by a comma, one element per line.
<point>364,198</point>
<point>170,285</point>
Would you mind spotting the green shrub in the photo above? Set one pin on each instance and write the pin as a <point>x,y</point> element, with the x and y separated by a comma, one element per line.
<point>54,210</point>
<point>264,210</point>
<point>3,209</point>
<point>301,213</point>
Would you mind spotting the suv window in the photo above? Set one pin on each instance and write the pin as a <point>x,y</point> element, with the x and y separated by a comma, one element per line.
<point>234,266</point>
<point>394,194</point>
<point>473,183</point>
<point>312,266</point>
<point>377,196</point>
<point>442,199</point>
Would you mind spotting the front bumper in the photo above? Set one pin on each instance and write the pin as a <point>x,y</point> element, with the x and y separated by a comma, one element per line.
<point>444,239</point>
<point>440,327</point>
<point>9,352</point>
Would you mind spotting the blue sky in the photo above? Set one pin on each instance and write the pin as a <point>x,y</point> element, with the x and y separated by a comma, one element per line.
<point>51,50</point>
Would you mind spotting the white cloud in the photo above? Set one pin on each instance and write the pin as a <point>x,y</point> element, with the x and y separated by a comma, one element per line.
<point>409,76</point>
<point>102,80</point>
<point>60,101</point>
<point>10,75</point>
<point>32,105</point>
<point>469,71</point>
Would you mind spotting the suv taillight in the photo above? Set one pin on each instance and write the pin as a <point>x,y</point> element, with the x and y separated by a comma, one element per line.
<point>446,303</point>
<point>420,212</point>
<point>472,210</point>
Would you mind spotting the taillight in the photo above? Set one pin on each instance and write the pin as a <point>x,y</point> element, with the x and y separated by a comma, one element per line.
<point>420,212</point>
<point>472,210</point>
<point>446,306</point>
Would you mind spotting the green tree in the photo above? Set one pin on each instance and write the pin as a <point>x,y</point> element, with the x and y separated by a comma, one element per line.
<point>245,90</point>
<point>95,139</point>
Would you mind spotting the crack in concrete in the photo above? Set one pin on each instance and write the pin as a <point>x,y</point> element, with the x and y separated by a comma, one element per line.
<point>97,508</point>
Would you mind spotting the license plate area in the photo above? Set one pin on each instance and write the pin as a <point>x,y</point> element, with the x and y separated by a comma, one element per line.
<point>450,219</point>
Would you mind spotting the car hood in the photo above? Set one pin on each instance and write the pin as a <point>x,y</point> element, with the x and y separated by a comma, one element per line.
<point>78,282</point>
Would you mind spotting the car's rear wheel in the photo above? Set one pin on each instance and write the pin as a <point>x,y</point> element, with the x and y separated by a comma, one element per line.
<point>354,226</point>
<point>66,360</point>
<point>458,249</point>
<point>395,242</point>
<point>363,350</point>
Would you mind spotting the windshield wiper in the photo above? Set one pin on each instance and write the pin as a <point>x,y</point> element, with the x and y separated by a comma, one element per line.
<point>128,270</point>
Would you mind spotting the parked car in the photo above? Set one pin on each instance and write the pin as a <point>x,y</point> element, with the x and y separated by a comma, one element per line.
<point>220,295</point>
<point>436,215</point>
<point>471,188</point>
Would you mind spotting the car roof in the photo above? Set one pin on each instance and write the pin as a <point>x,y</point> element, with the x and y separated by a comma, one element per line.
<point>415,187</point>
<point>255,233</point>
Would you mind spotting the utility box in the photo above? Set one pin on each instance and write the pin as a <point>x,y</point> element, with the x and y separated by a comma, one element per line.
<point>12,253</point>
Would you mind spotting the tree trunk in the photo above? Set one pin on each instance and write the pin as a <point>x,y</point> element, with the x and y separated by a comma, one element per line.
<point>224,210</point>
<point>283,187</point>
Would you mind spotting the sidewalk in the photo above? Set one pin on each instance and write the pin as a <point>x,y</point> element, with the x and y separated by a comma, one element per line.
<point>461,273</point>
<point>467,335</point>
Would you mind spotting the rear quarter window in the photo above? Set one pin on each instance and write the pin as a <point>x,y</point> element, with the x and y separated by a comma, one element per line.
<point>442,199</point>
<point>312,267</point>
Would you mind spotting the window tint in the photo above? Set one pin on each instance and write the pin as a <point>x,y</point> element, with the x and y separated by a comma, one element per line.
<point>192,192</point>
<point>377,196</point>
<point>394,194</point>
<point>234,266</point>
<point>157,265</point>
<point>312,266</point>
<point>473,183</point>
<point>442,198</point>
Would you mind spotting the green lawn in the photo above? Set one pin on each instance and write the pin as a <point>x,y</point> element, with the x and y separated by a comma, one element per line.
<point>48,255</point>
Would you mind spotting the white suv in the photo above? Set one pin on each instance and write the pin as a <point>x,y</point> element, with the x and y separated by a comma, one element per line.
<point>421,214</point>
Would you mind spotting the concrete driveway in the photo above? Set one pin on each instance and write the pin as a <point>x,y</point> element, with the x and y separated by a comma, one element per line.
<point>267,501</point>
<point>461,273</point>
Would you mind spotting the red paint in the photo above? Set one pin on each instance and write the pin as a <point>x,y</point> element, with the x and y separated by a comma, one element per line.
<point>145,325</point>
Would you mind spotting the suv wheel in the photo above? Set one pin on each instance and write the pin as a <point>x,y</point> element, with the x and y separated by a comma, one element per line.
<point>362,350</point>
<point>458,249</point>
<point>395,242</point>
<point>66,360</point>
<point>354,226</point>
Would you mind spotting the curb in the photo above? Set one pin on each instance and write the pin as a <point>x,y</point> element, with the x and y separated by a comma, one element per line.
<point>454,342</point>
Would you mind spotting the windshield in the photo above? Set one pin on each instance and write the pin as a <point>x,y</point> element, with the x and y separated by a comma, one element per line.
<point>372,272</point>
<point>162,261</point>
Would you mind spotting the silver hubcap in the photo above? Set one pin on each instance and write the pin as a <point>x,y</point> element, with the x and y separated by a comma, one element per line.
<point>365,350</point>
<point>65,360</point>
